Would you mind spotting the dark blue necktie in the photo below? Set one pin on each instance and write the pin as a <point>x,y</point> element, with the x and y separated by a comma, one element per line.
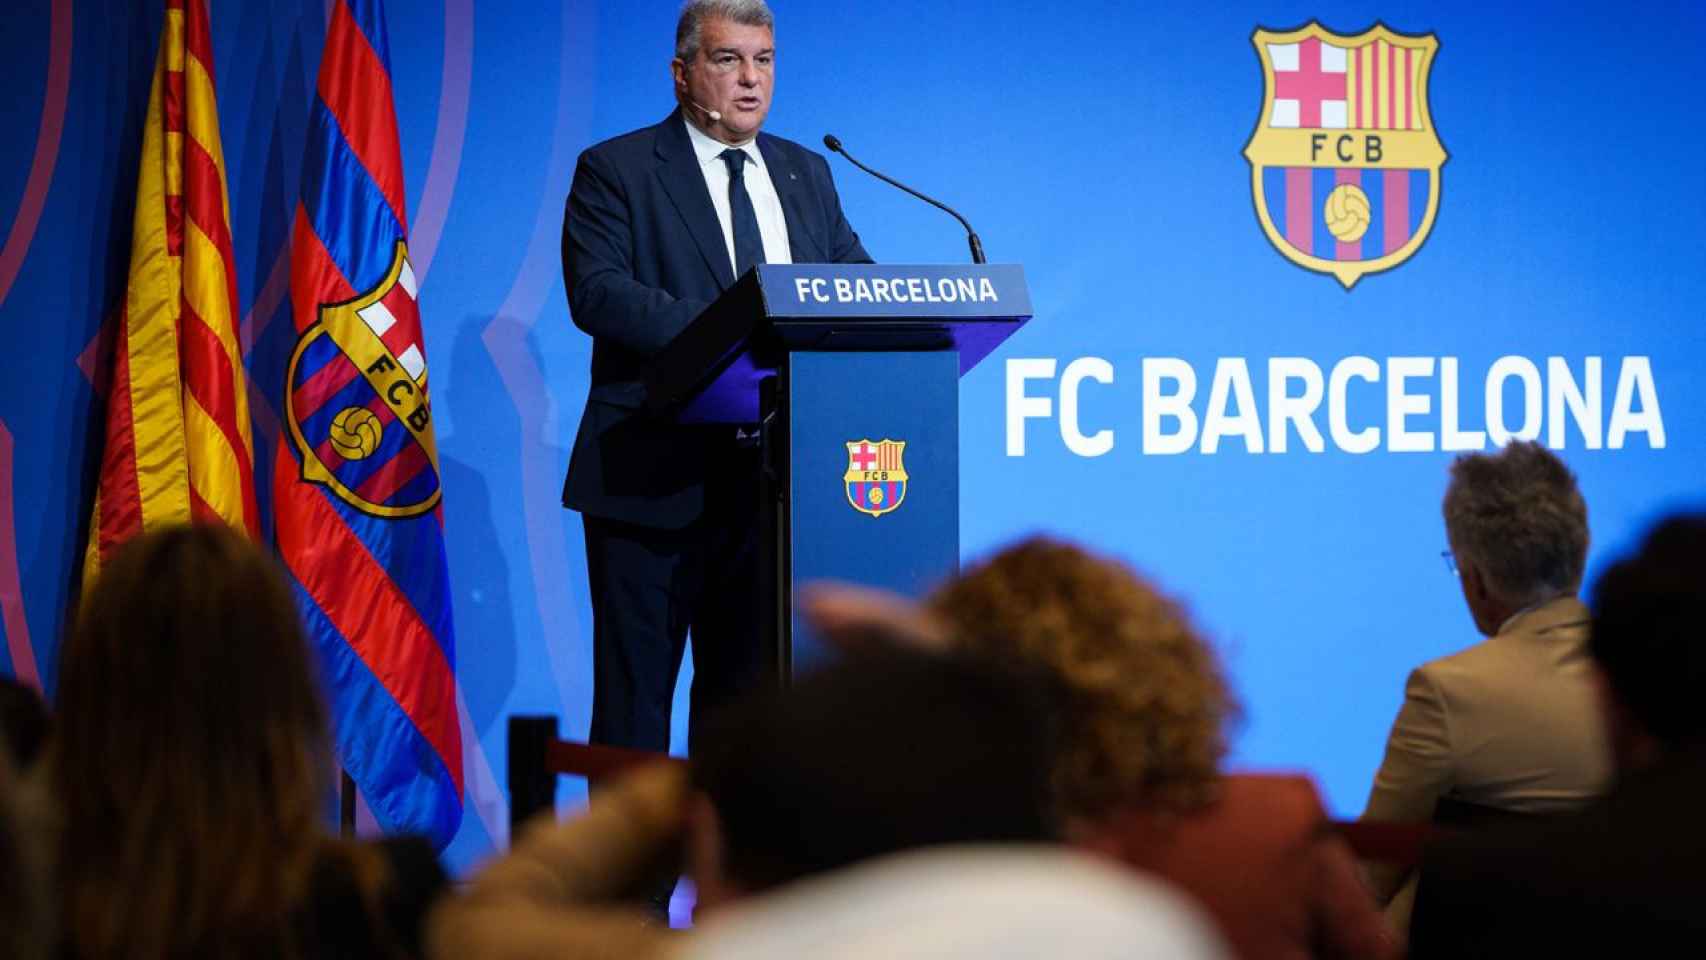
<point>749,245</point>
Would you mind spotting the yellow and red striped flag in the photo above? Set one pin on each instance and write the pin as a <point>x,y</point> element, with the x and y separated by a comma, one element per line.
<point>178,445</point>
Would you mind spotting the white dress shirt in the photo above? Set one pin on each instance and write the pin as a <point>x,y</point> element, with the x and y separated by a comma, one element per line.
<point>772,225</point>
<point>944,903</point>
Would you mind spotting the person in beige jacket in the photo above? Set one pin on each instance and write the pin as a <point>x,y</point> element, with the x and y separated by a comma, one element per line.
<point>1512,723</point>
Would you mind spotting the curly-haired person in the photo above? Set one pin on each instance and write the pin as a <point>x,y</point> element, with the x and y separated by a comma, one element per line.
<point>1137,772</point>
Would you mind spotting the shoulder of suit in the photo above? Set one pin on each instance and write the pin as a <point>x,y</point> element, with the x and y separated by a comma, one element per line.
<point>1469,654</point>
<point>797,153</point>
<point>635,140</point>
<point>1502,648</point>
<point>783,143</point>
<point>1565,618</point>
<point>1469,659</point>
<point>633,145</point>
<point>1434,676</point>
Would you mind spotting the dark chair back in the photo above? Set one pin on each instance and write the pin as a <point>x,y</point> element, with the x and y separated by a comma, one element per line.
<point>1429,922</point>
<point>1453,814</point>
<point>1398,844</point>
<point>537,758</point>
<point>532,787</point>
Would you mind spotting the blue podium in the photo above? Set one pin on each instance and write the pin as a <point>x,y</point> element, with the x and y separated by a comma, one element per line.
<point>851,374</point>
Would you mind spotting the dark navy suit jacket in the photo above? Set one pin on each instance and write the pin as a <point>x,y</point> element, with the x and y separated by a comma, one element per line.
<point>643,254</point>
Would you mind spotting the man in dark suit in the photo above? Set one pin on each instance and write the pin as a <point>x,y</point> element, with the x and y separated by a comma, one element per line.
<point>659,223</point>
<point>1625,876</point>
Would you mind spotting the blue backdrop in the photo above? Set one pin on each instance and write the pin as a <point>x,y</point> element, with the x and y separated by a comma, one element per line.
<point>1100,145</point>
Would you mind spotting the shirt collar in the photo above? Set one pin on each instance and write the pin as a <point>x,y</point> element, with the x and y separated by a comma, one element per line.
<point>708,148</point>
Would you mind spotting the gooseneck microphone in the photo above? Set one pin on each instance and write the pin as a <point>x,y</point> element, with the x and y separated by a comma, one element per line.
<point>834,144</point>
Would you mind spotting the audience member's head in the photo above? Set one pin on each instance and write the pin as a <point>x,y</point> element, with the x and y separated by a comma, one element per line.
<point>1518,529</point>
<point>887,750</point>
<point>190,751</point>
<point>26,891</point>
<point>1145,699</point>
<point>24,722</point>
<point>1650,645</point>
<point>988,904</point>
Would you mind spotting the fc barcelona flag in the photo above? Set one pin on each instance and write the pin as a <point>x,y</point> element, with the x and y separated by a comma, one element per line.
<point>177,445</point>
<point>357,480</point>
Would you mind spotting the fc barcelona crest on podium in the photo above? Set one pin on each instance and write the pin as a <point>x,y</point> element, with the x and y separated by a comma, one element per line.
<point>1345,160</point>
<point>876,476</point>
<point>357,401</point>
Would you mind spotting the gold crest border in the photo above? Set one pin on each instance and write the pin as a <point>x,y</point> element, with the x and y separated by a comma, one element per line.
<point>313,470</point>
<point>905,477</point>
<point>1347,273</point>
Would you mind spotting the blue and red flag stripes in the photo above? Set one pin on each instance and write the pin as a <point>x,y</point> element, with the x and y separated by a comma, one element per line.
<point>356,485</point>
<point>890,488</point>
<point>1295,196</point>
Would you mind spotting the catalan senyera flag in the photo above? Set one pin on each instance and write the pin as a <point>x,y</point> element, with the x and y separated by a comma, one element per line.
<point>178,446</point>
<point>356,483</point>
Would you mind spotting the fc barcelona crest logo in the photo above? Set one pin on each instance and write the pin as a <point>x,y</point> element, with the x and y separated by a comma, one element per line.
<point>1345,161</point>
<point>876,476</point>
<point>356,400</point>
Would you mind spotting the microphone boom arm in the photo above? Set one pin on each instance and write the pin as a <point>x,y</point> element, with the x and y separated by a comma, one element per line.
<point>976,244</point>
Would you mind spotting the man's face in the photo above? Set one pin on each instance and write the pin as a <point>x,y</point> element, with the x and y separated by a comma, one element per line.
<point>732,74</point>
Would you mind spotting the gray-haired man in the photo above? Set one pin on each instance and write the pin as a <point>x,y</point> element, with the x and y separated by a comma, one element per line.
<point>660,222</point>
<point>1510,724</point>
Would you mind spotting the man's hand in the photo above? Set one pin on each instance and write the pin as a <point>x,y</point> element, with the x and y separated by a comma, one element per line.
<point>855,618</point>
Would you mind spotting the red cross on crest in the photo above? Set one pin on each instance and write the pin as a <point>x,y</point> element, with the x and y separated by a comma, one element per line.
<point>863,456</point>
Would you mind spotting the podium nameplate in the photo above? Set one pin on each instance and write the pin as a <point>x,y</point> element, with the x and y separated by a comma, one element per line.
<point>712,371</point>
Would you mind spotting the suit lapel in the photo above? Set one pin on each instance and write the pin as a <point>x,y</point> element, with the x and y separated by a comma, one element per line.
<point>678,171</point>
<point>791,189</point>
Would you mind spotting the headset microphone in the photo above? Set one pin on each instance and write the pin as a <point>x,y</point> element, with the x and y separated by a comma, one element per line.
<point>710,114</point>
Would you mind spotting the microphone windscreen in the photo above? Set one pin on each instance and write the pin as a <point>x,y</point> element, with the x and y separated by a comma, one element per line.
<point>831,142</point>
